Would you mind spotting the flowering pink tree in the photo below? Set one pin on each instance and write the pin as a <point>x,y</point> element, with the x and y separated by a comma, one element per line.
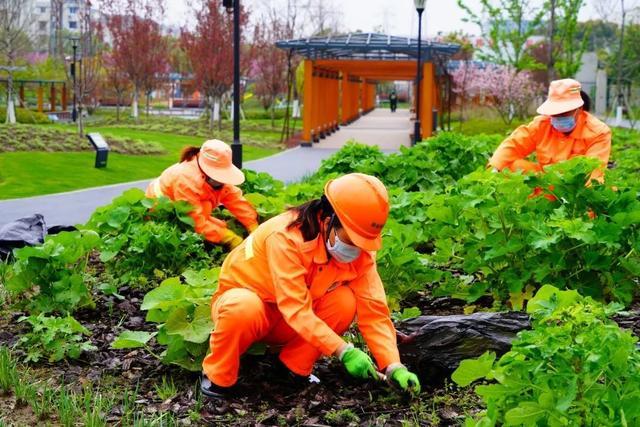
<point>509,92</point>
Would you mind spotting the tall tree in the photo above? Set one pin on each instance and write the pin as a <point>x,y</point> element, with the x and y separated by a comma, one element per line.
<point>15,23</point>
<point>508,26</point>
<point>90,37</point>
<point>210,53</point>
<point>115,81</point>
<point>565,51</point>
<point>270,64</point>
<point>137,43</point>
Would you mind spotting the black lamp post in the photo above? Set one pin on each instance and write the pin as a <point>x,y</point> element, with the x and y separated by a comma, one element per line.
<point>233,6</point>
<point>74,112</point>
<point>417,136</point>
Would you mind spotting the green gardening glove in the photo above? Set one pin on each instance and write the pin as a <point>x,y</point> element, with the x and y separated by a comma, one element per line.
<point>406,380</point>
<point>359,364</point>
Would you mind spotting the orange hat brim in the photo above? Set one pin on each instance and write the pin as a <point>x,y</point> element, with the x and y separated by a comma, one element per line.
<point>552,108</point>
<point>363,243</point>
<point>230,175</point>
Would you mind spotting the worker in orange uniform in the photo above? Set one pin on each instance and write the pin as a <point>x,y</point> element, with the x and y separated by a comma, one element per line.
<point>564,129</point>
<point>298,282</point>
<point>206,178</point>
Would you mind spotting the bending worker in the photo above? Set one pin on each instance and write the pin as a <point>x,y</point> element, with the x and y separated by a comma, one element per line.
<point>564,129</point>
<point>298,282</point>
<point>206,178</point>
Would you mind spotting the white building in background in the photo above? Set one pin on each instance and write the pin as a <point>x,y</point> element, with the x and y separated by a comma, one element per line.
<point>45,19</point>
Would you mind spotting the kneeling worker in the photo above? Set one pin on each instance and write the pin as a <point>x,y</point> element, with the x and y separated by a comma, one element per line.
<point>206,178</point>
<point>299,281</point>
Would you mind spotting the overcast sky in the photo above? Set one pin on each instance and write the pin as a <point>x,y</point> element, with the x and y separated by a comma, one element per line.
<point>396,17</point>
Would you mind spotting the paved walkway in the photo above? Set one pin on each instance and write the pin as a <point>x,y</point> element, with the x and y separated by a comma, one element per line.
<point>75,207</point>
<point>380,127</point>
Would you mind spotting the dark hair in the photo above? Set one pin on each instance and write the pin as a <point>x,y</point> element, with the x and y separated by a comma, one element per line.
<point>310,215</point>
<point>188,153</point>
<point>587,101</point>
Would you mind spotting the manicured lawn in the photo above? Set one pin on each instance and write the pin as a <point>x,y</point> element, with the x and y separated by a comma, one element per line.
<point>24,174</point>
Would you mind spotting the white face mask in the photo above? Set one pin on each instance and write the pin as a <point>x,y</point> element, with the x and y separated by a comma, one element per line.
<point>343,252</point>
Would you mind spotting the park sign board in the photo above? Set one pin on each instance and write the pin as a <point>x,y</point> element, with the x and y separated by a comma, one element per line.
<point>101,147</point>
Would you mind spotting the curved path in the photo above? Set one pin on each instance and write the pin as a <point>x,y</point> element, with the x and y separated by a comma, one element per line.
<point>388,131</point>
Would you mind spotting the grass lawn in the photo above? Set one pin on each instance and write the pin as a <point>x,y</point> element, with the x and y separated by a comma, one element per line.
<point>24,174</point>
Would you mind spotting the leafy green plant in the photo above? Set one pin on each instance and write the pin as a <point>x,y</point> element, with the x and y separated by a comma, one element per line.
<point>576,367</point>
<point>141,236</point>
<point>351,158</point>
<point>49,278</point>
<point>54,338</point>
<point>183,314</point>
<point>507,239</point>
<point>261,183</point>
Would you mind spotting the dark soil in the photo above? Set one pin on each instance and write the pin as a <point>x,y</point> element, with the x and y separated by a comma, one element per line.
<point>264,397</point>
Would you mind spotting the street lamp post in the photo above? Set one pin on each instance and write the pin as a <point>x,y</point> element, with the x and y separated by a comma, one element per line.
<point>417,135</point>
<point>236,146</point>
<point>74,112</point>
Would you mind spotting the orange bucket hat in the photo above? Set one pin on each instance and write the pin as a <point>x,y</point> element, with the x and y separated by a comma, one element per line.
<point>215,161</point>
<point>564,95</point>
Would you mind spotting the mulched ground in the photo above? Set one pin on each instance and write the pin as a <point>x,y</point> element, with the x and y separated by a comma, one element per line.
<point>264,398</point>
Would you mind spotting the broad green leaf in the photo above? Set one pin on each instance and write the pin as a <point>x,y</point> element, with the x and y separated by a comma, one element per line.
<point>165,296</point>
<point>132,339</point>
<point>526,413</point>
<point>471,370</point>
<point>196,329</point>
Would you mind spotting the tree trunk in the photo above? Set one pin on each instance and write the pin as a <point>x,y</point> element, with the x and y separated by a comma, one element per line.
<point>620,95</point>
<point>11,112</point>
<point>147,100</point>
<point>551,70</point>
<point>219,100</point>
<point>118,97</point>
<point>273,115</point>
<point>134,104</point>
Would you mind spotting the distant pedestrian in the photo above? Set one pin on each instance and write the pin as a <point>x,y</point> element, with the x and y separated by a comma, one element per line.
<point>393,101</point>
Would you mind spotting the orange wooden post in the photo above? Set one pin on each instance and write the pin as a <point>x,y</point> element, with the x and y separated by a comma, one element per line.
<point>427,100</point>
<point>323,103</point>
<point>52,97</point>
<point>316,106</point>
<point>344,114</point>
<point>307,113</point>
<point>64,97</point>
<point>40,93</point>
<point>336,101</point>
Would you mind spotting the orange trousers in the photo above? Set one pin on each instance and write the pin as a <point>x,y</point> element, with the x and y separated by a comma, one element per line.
<point>241,318</point>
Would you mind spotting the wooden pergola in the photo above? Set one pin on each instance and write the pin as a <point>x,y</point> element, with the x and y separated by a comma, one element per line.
<point>54,87</point>
<point>341,74</point>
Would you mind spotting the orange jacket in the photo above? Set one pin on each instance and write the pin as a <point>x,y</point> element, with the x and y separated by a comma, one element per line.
<point>591,137</point>
<point>185,181</point>
<point>280,267</point>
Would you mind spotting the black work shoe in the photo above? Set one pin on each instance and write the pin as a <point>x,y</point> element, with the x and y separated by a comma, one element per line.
<point>215,391</point>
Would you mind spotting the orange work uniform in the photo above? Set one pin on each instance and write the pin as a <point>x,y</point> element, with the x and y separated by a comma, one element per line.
<point>591,137</point>
<point>185,181</point>
<point>277,288</point>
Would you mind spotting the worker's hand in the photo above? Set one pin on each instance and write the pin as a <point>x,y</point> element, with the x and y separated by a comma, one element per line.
<point>231,239</point>
<point>406,380</point>
<point>359,364</point>
<point>252,228</point>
